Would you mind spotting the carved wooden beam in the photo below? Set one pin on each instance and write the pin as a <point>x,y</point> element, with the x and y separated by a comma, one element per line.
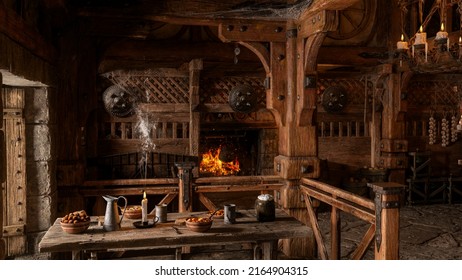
<point>253,32</point>
<point>261,52</point>
<point>315,29</point>
<point>326,5</point>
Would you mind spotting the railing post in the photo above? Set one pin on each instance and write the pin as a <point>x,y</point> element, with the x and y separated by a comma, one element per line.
<point>387,204</point>
<point>185,190</point>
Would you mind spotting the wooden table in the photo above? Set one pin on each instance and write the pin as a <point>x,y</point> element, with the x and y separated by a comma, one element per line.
<point>247,229</point>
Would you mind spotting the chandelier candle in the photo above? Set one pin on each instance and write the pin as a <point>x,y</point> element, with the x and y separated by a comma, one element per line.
<point>402,45</point>
<point>460,47</point>
<point>421,39</point>
<point>441,34</point>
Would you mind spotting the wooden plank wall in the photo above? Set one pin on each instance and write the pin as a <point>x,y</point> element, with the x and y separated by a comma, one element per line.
<point>2,173</point>
<point>14,189</point>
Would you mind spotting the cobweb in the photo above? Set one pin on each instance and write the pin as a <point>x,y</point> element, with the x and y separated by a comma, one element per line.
<point>266,10</point>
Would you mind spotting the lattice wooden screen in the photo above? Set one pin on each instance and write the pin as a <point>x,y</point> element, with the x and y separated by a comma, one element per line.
<point>216,90</point>
<point>354,87</point>
<point>154,86</point>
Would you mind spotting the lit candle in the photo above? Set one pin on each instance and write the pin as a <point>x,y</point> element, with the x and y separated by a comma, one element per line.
<point>460,47</point>
<point>402,45</point>
<point>441,34</point>
<point>144,209</point>
<point>420,37</point>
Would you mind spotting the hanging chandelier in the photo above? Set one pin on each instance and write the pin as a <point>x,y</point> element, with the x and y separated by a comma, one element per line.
<point>435,55</point>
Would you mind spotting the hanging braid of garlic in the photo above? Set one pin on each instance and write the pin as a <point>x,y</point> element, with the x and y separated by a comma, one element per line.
<point>454,124</point>
<point>431,130</point>
<point>444,132</point>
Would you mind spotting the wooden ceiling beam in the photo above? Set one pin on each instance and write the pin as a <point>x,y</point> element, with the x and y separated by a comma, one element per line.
<point>326,5</point>
<point>253,32</point>
<point>189,12</point>
<point>145,54</point>
<point>358,56</point>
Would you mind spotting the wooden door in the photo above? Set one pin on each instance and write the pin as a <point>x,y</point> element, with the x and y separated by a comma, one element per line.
<point>14,187</point>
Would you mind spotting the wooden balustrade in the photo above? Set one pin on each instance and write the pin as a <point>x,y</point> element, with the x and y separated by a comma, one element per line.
<point>382,214</point>
<point>184,186</point>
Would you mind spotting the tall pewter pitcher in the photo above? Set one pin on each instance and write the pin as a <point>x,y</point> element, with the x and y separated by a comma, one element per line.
<point>112,220</point>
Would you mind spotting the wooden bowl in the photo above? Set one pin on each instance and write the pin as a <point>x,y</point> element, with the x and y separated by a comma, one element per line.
<point>220,214</point>
<point>78,227</point>
<point>133,212</point>
<point>198,224</point>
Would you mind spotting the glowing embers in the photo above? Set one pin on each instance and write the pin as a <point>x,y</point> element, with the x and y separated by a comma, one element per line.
<point>211,164</point>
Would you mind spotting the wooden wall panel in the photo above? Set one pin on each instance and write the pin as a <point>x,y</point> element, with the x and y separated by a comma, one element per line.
<point>14,188</point>
<point>2,172</point>
<point>344,156</point>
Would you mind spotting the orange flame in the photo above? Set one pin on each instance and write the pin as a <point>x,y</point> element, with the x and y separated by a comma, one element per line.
<point>212,164</point>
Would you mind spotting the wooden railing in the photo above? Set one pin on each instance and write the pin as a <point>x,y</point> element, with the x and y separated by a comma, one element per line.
<point>174,188</point>
<point>382,214</point>
<point>206,185</point>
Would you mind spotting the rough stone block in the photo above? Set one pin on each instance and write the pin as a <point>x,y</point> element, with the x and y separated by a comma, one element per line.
<point>41,212</point>
<point>37,106</point>
<point>33,240</point>
<point>39,142</point>
<point>40,178</point>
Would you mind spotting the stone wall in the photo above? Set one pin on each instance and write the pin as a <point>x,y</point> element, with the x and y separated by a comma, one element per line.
<point>41,164</point>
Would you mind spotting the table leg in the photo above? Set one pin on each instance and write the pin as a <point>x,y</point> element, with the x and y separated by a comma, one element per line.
<point>93,255</point>
<point>77,255</point>
<point>265,250</point>
<point>178,253</point>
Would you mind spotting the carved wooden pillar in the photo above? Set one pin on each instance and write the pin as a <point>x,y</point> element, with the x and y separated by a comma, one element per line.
<point>185,190</point>
<point>387,204</point>
<point>291,67</point>
<point>393,145</point>
<point>298,142</point>
<point>195,67</point>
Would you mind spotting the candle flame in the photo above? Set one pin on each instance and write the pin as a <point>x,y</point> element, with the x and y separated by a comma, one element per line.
<point>442,26</point>
<point>144,194</point>
<point>402,37</point>
<point>421,29</point>
<point>460,39</point>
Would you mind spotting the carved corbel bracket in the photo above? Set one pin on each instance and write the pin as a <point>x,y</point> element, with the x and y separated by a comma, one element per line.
<point>312,32</point>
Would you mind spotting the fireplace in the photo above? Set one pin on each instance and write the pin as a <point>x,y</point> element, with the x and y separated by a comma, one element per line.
<point>244,152</point>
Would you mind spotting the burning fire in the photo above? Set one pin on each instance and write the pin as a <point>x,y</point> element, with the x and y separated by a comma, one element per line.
<point>211,163</point>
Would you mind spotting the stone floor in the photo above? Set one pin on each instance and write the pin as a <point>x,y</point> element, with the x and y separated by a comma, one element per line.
<point>427,232</point>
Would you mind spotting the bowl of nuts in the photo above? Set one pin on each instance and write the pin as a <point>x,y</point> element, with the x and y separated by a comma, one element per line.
<point>133,212</point>
<point>75,222</point>
<point>198,224</point>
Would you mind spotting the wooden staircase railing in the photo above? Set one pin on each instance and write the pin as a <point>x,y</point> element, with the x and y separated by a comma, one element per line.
<point>382,214</point>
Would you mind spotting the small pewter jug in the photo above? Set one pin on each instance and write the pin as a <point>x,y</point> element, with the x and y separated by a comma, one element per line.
<point>112,220</point>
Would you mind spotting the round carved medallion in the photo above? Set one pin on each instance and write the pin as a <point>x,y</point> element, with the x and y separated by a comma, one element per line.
<point>243,99</point>
<point>118,102</point>
<point>334,99</point>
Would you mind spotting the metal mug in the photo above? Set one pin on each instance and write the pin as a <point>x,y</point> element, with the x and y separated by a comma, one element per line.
<point>230,214</point>
<point>161,213</point>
